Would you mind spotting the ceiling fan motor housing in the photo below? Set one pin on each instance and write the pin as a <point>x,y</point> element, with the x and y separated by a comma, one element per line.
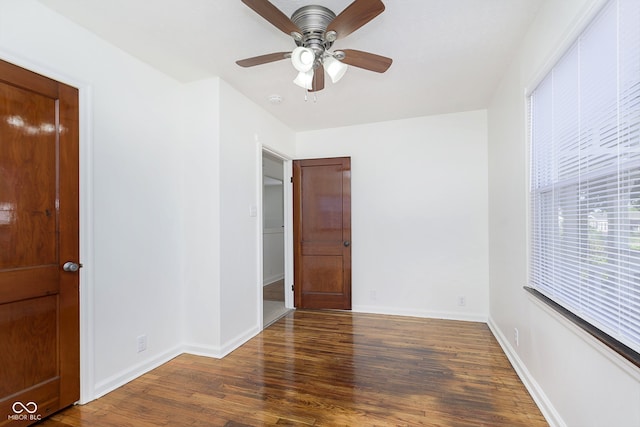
<point>308,27</point>
<point>313,21</point>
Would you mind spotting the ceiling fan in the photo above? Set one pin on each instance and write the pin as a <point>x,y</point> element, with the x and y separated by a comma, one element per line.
<point>314,29</point>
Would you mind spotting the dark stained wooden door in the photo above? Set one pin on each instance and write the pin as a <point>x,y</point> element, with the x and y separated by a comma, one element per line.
<point>322,233</point>
<point>39,232</point>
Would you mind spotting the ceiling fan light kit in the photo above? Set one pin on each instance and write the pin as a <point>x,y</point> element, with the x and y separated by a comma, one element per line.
<point>304,79</point>
<point>334,68</point>
<point>314,29</point>
<point>303,59</point>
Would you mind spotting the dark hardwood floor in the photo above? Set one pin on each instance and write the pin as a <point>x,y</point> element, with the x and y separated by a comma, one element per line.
<point>274,291</point>
<point>329,368</point>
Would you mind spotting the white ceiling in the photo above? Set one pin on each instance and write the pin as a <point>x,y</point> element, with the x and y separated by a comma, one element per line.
<point>448,55</point>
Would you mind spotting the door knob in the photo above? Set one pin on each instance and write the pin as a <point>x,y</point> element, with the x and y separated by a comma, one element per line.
<point>71,266</point>
<point>347,243</point>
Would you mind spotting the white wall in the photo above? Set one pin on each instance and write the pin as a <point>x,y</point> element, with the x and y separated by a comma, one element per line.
<point>223,237</point>
<point>245,129</point>
<point>131,183</point>
<point>273,220</point>
<point>575,380</point>
<point>273,233</point>
<point>201,115</point>
<point>169,174</point>
<point>419,213</point>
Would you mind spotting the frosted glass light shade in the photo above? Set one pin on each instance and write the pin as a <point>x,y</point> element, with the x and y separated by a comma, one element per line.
<point>334,68</point>
<point>303,58</point>
<point>304,79</point>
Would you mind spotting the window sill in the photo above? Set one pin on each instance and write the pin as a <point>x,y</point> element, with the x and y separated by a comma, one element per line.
<point>627,353</point>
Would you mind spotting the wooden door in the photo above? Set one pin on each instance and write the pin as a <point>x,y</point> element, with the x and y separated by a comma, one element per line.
<point>322,233</point>
<point>39,301</point>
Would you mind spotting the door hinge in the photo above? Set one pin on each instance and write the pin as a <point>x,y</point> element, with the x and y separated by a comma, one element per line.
<point>291,288</point>
<point>292,180</point>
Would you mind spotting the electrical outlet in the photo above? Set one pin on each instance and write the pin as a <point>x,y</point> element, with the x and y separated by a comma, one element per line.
<point>462,301</point>
<point>373,296</point>
<point>516,337</point>
<point>142,343</point>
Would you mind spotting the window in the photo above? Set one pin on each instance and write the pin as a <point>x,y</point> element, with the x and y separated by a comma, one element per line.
<point>585,176</point>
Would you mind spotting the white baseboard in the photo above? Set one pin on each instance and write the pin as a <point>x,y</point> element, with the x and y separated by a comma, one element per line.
<point>222,351</point>
<point>127,375</point>
<point>120,379</point>
<point>238,341</point>
<point>269,280</point>
<point>546,407</point>
<point>202,350</point>
<point>393,311</point>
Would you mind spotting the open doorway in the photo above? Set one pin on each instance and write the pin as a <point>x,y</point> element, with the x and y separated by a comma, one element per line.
<point>273,239</point>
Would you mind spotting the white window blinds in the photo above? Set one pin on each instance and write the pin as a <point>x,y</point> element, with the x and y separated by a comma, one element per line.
<point>585,176</point>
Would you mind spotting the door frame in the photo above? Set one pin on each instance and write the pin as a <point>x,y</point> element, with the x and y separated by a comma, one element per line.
<point>287,195</point>
<point>86,214</point>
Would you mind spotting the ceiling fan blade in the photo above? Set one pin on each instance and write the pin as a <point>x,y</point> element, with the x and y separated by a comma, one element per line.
<point>366,60</point>
<point>274,15</point>
<point>318,79</point>
<point>355,16</point>
<point>263,59</point>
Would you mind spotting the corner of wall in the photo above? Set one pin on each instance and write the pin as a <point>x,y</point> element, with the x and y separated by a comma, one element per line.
<point>123,377</point>
<point>537,393</point>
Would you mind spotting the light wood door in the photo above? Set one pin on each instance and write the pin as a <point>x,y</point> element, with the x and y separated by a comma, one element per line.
<point>322,233</point>
<point>39,232</point>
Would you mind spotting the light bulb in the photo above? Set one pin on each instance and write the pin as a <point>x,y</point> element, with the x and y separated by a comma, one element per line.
<point>334,68</point>
<point>304,79</point>
<point>303,58</point>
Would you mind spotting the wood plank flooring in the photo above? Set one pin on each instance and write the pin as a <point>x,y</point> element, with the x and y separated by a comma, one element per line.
<point>329,368</point>
<point>274,291</point>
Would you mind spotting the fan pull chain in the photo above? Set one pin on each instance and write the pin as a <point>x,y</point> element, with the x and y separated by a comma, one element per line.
<point>306,97</point>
